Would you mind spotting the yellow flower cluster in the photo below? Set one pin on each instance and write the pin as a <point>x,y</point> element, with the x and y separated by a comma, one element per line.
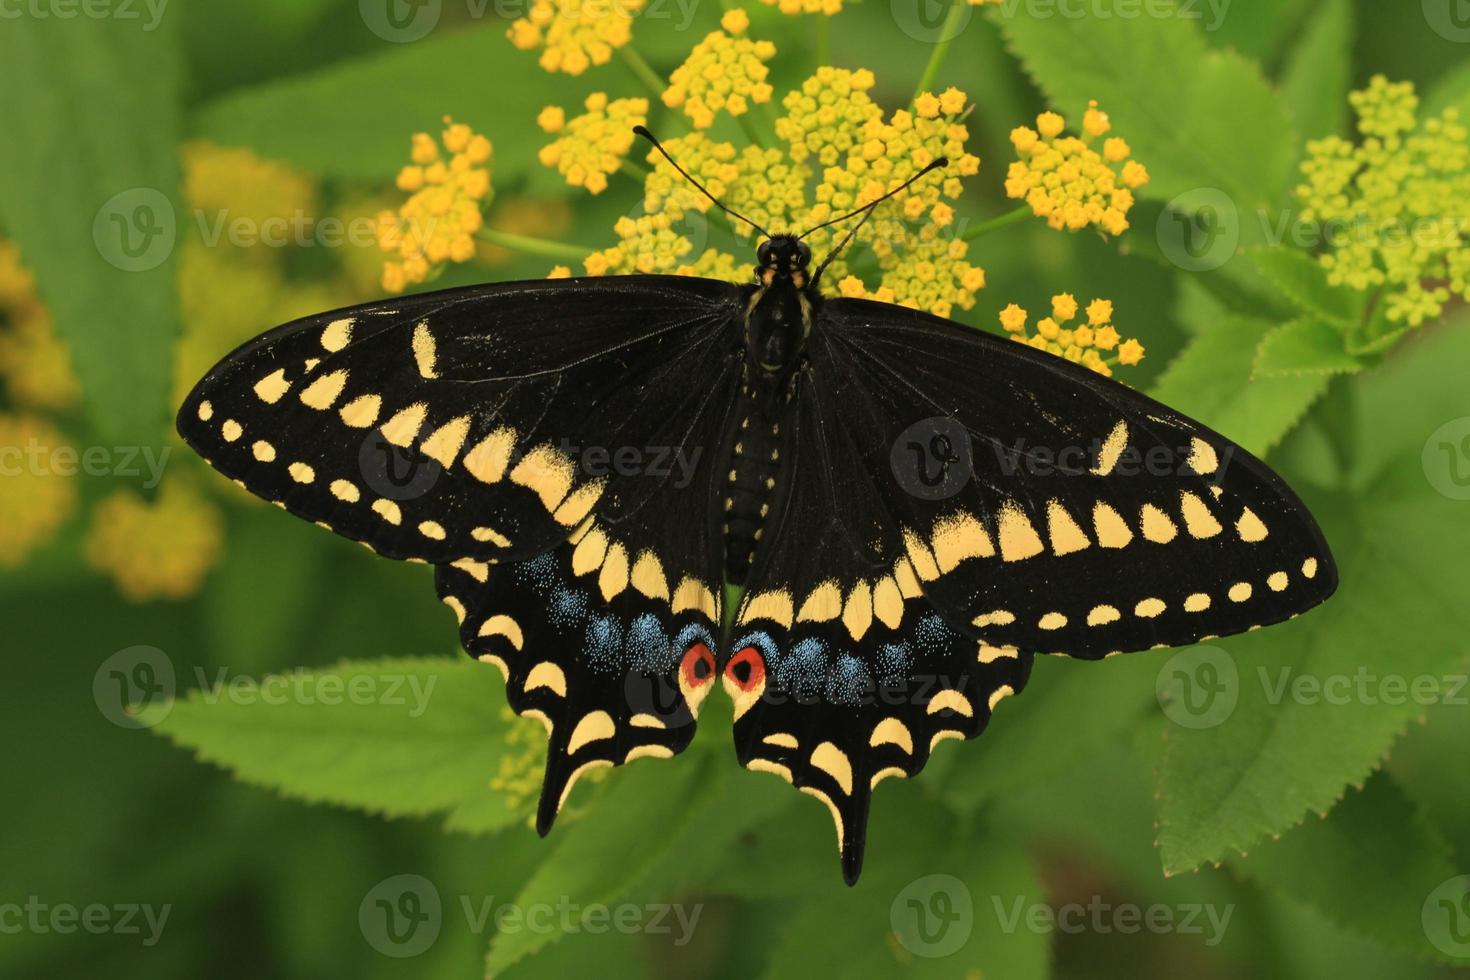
<point>34,362</point>
<point>1067,181</point>
<point>592,145</point>
<point>651,244</point>
<point>1090,344</point>
<point>437,223</point>
<point>575,34</point>
<point>724,72</point>
<point>233,183</point>
<point>36,502</point>
<point>713,164</point>
<point>1396,205</point>
<point>794,7</point>
<point>160,549</point>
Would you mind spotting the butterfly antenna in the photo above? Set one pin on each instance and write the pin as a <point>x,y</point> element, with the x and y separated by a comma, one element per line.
<point>867,212</point>
<point>643,131</point>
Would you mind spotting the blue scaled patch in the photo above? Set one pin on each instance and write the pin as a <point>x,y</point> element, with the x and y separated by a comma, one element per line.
<point>849,681</point>
<point>604,643</point>
<point>894,661</point>
<point>649,649</point>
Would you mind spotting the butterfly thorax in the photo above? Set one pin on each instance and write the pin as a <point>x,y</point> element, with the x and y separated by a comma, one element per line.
<point>779,308</point>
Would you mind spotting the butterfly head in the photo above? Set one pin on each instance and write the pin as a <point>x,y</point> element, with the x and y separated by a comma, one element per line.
<point>782,258</point>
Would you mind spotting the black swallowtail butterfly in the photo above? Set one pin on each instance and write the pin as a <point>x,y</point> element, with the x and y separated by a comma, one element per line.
<point>914,508</point>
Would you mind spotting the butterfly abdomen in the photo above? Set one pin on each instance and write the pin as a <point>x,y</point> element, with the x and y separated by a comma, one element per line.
<point>751,479</point>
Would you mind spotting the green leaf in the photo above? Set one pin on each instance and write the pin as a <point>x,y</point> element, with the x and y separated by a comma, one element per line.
<point>1212,380</point>
<point>1304,282</point>
<point>1196,117</point>
<point>1260,34</point>
<point>87,180</point>
<point>1315,81</point>
<point>1321,699</point>
<point>1304,346</point>
<point>400,738</point>
<point>1367,867</point>
<point>1452,91</point>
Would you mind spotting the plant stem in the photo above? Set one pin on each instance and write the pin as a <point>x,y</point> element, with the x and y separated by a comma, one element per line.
<point>824,40</point>
<point>995,224</point>
<point>634,170</point>
<point>958,9</point>
<point>642,71</point>
<point>751,133</point>
<point>532,246</point>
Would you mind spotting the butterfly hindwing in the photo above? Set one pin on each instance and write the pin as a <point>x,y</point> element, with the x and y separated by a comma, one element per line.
<point>476,423</point>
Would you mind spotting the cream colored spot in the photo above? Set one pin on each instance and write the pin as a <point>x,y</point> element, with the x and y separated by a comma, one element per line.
<point>1197,517</point>
<point>990,654</point>
<point>691,593</point>
<point>361,412</point>
<point>1309,568</point>
<point>943,735</point>
<point>454,604</point>
<point>1066,537</point>
<point>1112,531</point>
<point>648,576</point>
<point>1156,525</point>
<point>958,537</point>
<point>424,350</point>
<point>206,411</point>
<point>891,731</point>
<point>263,451</point>
<point>231,430</point>
<point>766,765</point>
<point>346,492</point>
<point>920,557</point>
<point>1103,615</point>
<point>579,504</point>
<point>301,473</point>
<point>445,442</point>
<point>996,617</point>
<point>322,392</point>
<point>432,529</point>
<point>488,460</point>
<point>1196,602</point>
<point>822,605</point>
<point>1018,539</point>
<point>402,428</point>
<point>1001,693</point>
<point>650,751</point>
<point>577,774</point>
<point>613,578</point>
<point>774,605</point>
<point>1202,458</point>
<point>477,570</point>
<point>1112,449</point>
<point>503,625</point>
<point>951,700</point>
<point>594,727</point>
<point>337,334</point>
<point>1249,526</point>
<point>887,602</point>
<point>589,552</point>
<point>857,614</point>
<point>1240,591</point>
<point>1052,621</point>
<point>883,774</point>
<point>488,535</point>
<point>490,658</point>
<point>908,582</point>
<point>270,388</point>
<point>1149,608</point>
<point>548,675</point>
<point>546,471</point>
<point>781,740</point>
<point>388,511</point>
<point>834,762</point>
<point>1277,581</point>
<point>641,720</point>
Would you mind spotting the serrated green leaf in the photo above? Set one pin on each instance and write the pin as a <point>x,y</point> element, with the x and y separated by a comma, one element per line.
<point>1285,751</point>
<point>1315,81</point>
<point>1304,282</point>
<point>1212,380</point>
<point>1303,346</point>
<point>1196,117</point>
<point>1260,34</point>
<point>88,177</point>
<point>1368,866</point>
<point>400,738</point>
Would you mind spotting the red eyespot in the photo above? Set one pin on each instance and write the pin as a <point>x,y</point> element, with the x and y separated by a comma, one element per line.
<point>746,670</point>
<point>698,667</point>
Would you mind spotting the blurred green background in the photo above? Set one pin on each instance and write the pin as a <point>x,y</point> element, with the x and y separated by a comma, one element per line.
<point>1308,835</point>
